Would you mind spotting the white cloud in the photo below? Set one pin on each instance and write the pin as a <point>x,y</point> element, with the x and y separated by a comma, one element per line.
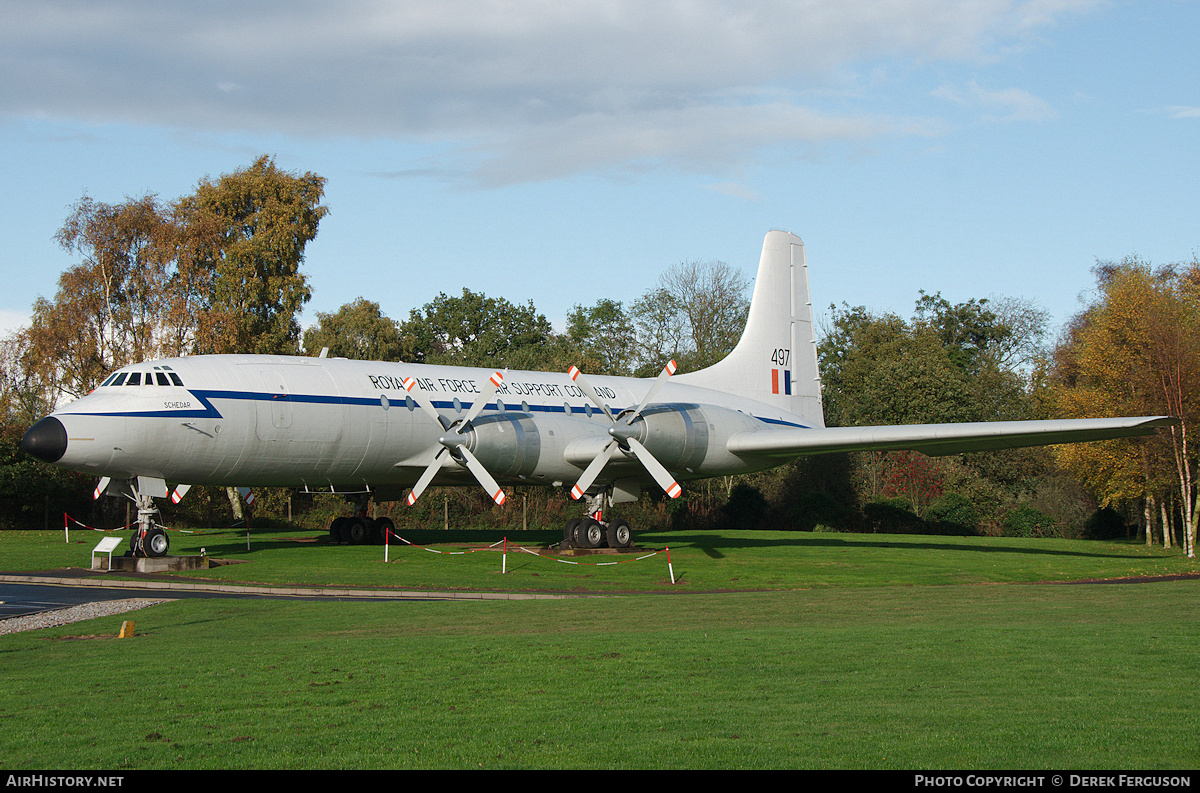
<point>1007,104</point>
<point>735,190</point>
<point>529,89</point>
<point>1183,111</point>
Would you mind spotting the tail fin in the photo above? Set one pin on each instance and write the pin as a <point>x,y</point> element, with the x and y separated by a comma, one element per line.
<point>775,361</point>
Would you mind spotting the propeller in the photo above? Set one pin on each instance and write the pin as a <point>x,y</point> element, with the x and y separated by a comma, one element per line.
<point>622,432</point>
<point>453,442</point>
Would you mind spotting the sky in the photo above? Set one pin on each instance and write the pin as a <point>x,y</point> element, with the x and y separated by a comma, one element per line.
<point>563,152</point>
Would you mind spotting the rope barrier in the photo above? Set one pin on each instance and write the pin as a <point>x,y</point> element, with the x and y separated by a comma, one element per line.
<point>522,549</point>
<point>68,520</point>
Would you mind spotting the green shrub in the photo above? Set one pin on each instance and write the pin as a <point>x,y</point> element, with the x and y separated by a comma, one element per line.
<point>1104,524</point>
<point>1025,521</point>
<point>745,508</point>
<point>955,509</point>
<point>891,516</point>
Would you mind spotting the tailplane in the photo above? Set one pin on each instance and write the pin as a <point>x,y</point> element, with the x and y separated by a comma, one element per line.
<point>775,361</point>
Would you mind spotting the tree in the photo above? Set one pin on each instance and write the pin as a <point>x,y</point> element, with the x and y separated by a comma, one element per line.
<point>477,330</point>
<point>604,336</point>
<point>1136,351</point>
<point>949,363</point>
<point>243,243</point>
<point>106,312</point>
<point>24,396</point>
<point>695,316</point>
<point>358,330</point>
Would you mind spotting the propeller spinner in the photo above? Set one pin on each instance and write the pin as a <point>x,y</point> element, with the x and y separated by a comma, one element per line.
<point>453,442</point>
<point>622,432</point>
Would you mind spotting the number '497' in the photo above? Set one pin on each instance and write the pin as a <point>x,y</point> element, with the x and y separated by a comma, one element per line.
<point>781,357</point>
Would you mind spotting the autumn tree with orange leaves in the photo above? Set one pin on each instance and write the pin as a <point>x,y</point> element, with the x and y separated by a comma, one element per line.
<point>215,271</point>
<point>1135,352</point>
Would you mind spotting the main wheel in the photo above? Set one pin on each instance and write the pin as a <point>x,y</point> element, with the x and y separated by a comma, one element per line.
<point>619,534</point>
<point>589,534</point>
<point>335,529</point>
<point>156,542</point>
<point>569,531</point>
<point>380,528</point>
<point>356,530</point>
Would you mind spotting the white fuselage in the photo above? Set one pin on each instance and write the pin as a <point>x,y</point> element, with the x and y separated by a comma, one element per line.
<point>251,420</point>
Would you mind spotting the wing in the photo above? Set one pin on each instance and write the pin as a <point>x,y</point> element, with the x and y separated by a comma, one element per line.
<point>940,439</point>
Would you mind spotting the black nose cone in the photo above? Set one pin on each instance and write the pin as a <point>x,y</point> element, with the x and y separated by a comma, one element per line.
<point>46,440</point>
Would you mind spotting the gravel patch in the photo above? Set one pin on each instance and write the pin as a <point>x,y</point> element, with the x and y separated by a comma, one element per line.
<point>86,611</point>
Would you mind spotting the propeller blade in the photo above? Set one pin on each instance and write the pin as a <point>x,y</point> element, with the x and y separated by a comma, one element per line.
<point>659,382</point>
<point>410,385</point>
<point>439,460</point>
<point>664,479</point>
<point>101,486</point>
<point>179,492</point>
<point>586,387</point>
<point>485,396</point>
<point>456,439</point>
<point>593,470</point>
<point>482,475</point>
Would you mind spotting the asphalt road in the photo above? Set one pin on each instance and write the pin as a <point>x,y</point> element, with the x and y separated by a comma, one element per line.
<point>18,599</point>
<point>31,593</point>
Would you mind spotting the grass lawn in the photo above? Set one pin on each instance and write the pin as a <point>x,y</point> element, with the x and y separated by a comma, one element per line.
<point>842,651</point>
<point>702,561</point>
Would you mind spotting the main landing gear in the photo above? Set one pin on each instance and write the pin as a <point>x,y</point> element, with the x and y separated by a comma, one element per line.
<point>593,532</point>
<point>359,529</point>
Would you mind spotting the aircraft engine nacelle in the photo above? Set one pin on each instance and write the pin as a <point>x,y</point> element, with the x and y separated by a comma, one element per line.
<point>690,439</point>
<point>676,434</point>
<point>507,444</point>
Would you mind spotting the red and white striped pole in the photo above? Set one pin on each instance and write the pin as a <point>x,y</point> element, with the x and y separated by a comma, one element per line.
<point>504,557</point>
<point>670,569</point>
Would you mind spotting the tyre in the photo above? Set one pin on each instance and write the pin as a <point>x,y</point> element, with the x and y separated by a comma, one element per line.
<point>569,531</point>
<point>335,529</point>
<point>157,543</point>
<point>619,534</point>
<point>356,531</point>
<point>589,534</point>
<point>380,528</point>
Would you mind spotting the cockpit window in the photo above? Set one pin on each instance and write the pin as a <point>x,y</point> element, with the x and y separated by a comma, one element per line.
<point>167,378</point>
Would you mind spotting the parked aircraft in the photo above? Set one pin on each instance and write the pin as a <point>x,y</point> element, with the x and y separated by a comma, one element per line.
<point>374,429</point>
